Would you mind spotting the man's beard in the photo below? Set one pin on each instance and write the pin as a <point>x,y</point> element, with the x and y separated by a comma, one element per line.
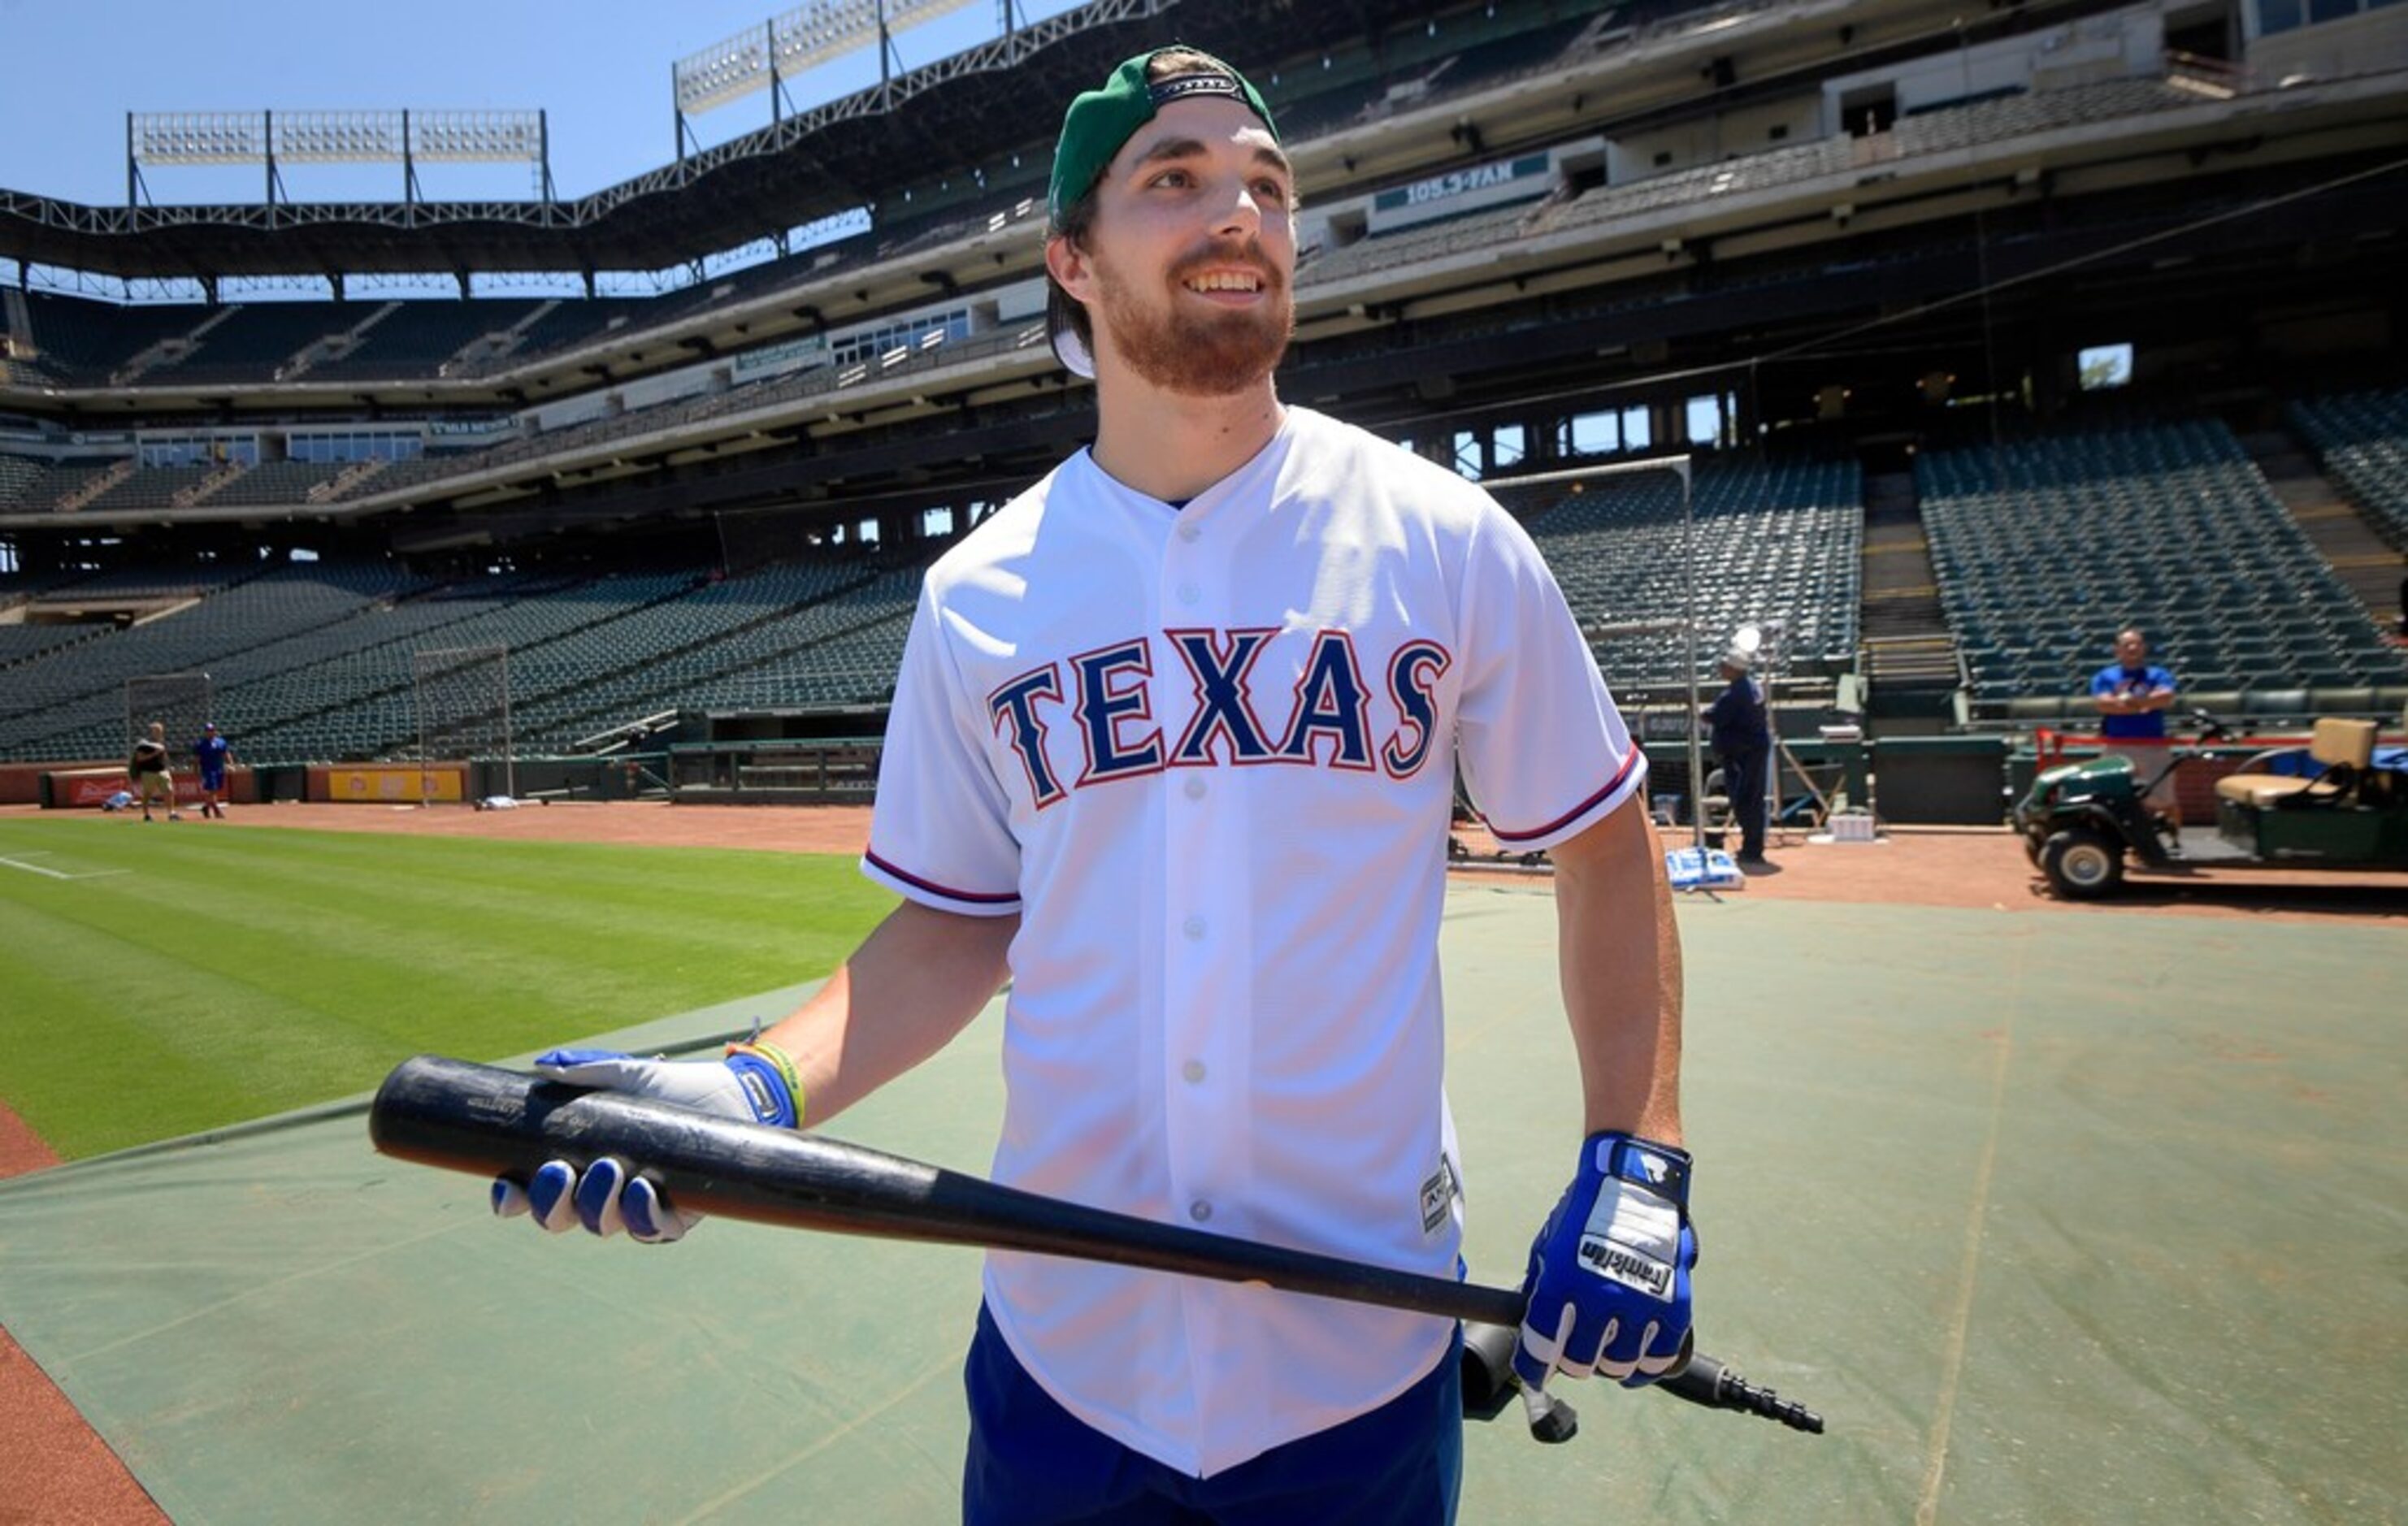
<point>1214,354</point>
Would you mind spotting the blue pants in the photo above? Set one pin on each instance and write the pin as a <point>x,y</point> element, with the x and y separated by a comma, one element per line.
<point>1743,783</point>
<point>1033,1463</point>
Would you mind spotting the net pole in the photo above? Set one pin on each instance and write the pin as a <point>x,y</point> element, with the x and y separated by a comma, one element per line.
<point>464,705</point>
<point>180,702</point>
<point>1689,667</point>
<point>1680,465</point>
<point>509,756</point>
<point>419,682</point>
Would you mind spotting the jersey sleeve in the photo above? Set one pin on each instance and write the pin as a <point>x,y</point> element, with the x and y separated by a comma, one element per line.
<point>940,833</point>
<point>1544,752</point>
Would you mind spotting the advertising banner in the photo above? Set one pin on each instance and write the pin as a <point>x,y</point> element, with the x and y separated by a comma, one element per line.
<point>397,786</point>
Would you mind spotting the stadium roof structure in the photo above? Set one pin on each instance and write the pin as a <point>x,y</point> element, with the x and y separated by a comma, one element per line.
<point>953,116</point>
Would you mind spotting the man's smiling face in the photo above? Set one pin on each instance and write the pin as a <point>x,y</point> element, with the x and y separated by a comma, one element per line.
<point>1190,262</point>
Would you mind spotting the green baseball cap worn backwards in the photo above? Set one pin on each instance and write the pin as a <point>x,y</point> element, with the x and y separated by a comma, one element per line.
<point>1100,121</point>
<point>1094,129</point>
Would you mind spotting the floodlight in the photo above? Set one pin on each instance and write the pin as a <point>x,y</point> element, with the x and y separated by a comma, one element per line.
<point>198,137</point>
<point>477,137</point>
<point>801,38</point>
<point>722,72</point>
<point>339,138</point>
<point>335,138</point>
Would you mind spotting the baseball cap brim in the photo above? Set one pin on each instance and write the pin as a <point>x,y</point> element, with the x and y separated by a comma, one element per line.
<point>1069,347</point>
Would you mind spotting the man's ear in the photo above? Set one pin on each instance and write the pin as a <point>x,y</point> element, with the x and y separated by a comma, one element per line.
<point>1068,265</point>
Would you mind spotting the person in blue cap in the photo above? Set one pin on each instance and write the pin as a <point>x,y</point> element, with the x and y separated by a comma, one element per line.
<point>212,752</point>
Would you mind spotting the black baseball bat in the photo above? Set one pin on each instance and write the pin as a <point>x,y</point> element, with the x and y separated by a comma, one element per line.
<point>488,1121</point>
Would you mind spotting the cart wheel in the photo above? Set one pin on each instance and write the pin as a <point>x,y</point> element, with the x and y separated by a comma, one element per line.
<point>2081,864</point>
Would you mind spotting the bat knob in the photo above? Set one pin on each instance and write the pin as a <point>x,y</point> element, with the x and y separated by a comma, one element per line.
<point>1552,1420</point>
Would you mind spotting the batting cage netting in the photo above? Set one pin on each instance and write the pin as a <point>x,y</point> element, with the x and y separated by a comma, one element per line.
<point>179,701</point>
<point>462,700</point>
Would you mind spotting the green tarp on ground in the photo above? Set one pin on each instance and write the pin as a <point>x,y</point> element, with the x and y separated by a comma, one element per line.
<point>2056,1217</point>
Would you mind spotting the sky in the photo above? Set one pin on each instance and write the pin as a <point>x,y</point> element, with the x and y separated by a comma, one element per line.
<point>71,69</point>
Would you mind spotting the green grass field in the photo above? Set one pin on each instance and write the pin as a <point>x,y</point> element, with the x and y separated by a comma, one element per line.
<point>155,981</point>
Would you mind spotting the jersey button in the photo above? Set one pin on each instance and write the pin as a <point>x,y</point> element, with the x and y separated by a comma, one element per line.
<point>1195,788</point>
<point>1193,927</point>
<point>1189,593</point>
<point>1193,1070</point>
<point>1199,1211</point>
<point>1190,531</point>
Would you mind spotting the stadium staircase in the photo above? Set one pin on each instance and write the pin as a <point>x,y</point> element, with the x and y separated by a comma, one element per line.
<point>334,347</point>
<point>167,350</point>
<point>186,497</point>
<point>93,487</point>
<point>350,478</point>
<point>486,348</point>
<point>2347,538</point>
<point>19,324</point>
<point>1911,664</point>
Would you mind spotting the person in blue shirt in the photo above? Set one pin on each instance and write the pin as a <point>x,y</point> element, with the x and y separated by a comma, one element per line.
<point>2133,695</point>
<point>212,752</point>
<point>1742,743</point>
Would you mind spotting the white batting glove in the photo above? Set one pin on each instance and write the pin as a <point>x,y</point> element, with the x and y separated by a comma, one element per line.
<point>612,1194</point>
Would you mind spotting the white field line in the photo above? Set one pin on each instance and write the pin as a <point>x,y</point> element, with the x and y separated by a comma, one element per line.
<point>54,873</point>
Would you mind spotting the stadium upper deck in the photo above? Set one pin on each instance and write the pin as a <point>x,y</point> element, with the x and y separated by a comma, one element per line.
<point>1710,183</point>
<point>958,120</point>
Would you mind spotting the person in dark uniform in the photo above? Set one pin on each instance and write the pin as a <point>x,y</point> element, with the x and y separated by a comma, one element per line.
<point>1742,743</point>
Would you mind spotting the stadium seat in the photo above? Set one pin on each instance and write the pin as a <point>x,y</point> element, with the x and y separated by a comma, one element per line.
<point>2358,701</point>
<point>2274,702</point>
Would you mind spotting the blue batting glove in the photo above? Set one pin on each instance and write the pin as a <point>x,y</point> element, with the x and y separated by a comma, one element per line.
<point>612,1194</point>
<point>1607,1288</point>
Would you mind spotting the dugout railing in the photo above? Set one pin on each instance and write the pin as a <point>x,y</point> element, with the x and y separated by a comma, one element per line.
<point>804,771</point>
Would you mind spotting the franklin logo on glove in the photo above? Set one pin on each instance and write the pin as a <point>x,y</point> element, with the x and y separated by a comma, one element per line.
<point>1607,1288</point>
<point>1644,1272</point>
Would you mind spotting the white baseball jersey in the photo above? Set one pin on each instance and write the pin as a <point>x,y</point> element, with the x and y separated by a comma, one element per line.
<point>1208,754</point>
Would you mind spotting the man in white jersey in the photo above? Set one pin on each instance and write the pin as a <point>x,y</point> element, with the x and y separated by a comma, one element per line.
<point>1173,748</point>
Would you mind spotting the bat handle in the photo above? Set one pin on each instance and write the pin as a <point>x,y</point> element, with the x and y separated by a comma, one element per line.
<point>1702,1380</point>
<point>1552,1420</point>
<point>1706,1381</point>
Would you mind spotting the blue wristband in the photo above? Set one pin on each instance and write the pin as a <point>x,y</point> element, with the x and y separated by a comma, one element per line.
<point>765,1088</point>
<point>1662,1169</point>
